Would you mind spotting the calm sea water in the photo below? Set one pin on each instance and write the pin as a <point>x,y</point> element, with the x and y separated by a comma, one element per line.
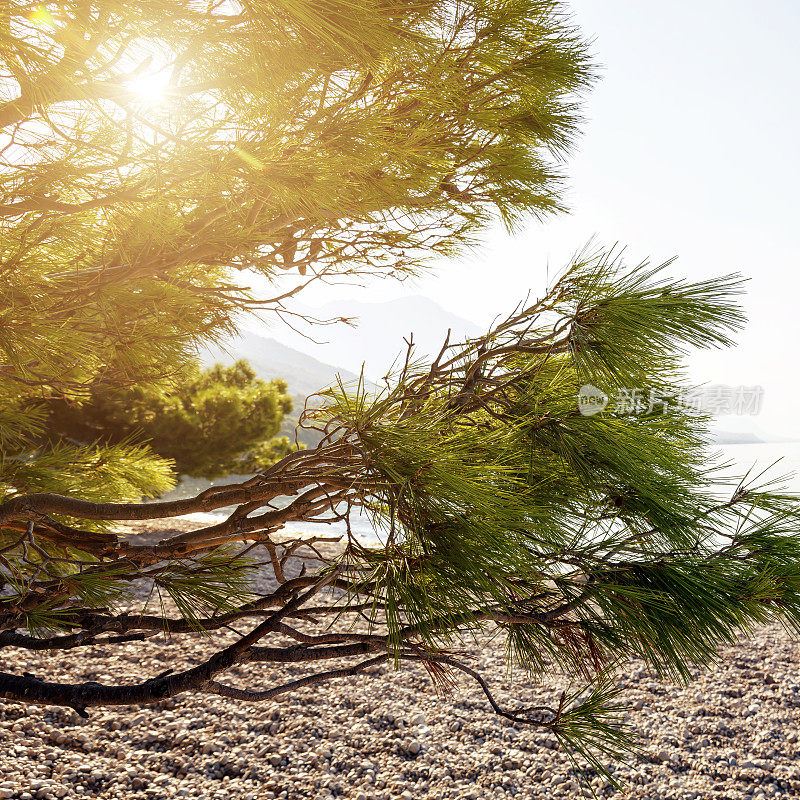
<point>774,459</point>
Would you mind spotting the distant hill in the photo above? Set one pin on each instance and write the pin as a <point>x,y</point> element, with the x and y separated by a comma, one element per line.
<point>375,342</point>
<point>272,359</point>
<point>736,437</point>
<point>740,430</point>
<point>377,338</point>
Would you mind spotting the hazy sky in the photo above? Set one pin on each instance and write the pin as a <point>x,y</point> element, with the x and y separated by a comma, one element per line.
<point>690,149</point>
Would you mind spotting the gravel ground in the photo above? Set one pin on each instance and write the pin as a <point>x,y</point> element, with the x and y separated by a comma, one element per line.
<point>732,733</point>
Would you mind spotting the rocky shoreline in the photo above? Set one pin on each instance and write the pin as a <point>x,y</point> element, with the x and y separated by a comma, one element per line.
<point>732,733</point>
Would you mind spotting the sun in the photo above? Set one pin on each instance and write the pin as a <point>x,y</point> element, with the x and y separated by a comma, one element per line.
<point>150,88</point>
<point>147,69</point>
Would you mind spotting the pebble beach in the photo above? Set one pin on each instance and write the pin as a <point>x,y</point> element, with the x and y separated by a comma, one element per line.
<point>731,733</point>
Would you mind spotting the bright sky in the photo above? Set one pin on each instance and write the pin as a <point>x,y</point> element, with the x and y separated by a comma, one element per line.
<point>690,149</point>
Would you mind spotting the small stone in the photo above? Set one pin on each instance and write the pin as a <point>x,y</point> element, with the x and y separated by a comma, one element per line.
<point>414,747</point>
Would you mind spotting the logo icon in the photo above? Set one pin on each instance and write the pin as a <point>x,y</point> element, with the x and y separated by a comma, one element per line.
<point>591,400</point>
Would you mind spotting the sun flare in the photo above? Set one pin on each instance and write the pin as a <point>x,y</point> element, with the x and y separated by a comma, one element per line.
<point>150,88</point>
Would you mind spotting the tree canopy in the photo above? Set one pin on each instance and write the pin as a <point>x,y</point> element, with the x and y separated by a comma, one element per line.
<point>156,155</point>
<point>214,422</point>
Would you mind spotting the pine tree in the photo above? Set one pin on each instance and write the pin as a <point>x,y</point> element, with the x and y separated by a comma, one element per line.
<point>214,422</point>
<point>156,155</point>
<point>323,141</point>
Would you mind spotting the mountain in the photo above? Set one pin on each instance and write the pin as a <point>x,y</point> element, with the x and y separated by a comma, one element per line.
<point>735,437</point>
<point>272,359</point>
<point>745,429</point>
<point>374,342</point>
<point>376,339</point>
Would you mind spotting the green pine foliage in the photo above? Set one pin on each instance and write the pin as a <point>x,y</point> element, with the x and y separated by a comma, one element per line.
<point>213,422</point>
<point>589,540</point>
